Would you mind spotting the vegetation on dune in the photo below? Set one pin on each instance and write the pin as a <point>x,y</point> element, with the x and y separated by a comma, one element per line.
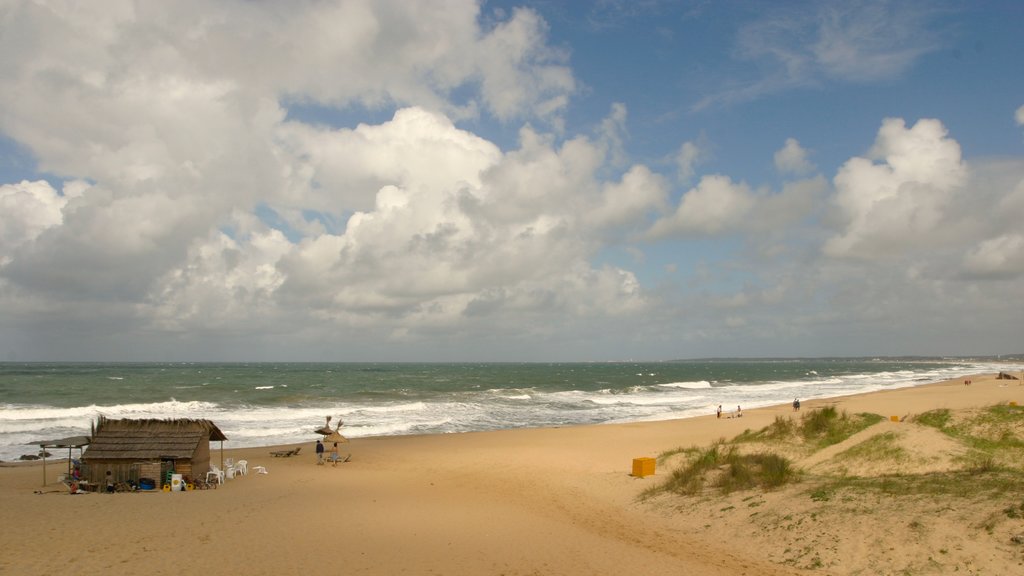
<point>883,447</point>
<point>816,428</point>
<point>994,435</point>
<point>992,465</point>
<point>886,478</point>
<point>724,467</point>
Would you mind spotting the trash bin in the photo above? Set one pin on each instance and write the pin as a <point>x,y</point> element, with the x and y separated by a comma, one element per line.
<point>177,484</point>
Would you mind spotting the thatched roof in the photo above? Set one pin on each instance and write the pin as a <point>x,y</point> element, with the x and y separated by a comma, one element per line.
<point>149,439</point>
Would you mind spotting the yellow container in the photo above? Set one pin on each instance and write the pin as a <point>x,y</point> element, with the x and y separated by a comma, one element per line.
<point>894,418</point>
<point>643,467</point>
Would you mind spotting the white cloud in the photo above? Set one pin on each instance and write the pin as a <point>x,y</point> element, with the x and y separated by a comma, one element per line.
<point>202,207</point>
<point>519,71</point>
<point>719,206</point>
<point>896,203</point>
<point>714,206</point>
<point>867,40</point>
<point>1001,257</point>
<point>27,209</point>
<point>689,155</point>
<point>462,235</point>
<point>792,159</point>
<point>628,203</point>
<point>854,42</point>
<point>1020,116</point>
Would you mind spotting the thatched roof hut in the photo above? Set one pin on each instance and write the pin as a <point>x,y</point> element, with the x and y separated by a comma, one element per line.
<point>149,448</point>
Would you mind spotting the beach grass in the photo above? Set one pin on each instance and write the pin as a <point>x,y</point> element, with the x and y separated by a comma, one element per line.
<point>815,429</point>
<point>993,435</point>
<point>990,466</point>
<point>725,467</point>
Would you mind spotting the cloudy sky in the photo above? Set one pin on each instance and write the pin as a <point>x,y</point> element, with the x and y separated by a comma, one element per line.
<point>498,180</point>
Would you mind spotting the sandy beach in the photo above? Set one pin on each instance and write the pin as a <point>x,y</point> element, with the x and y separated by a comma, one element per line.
<point>521,502</point>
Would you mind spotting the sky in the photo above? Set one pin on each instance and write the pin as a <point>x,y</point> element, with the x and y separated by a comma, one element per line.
<point>459,180</point>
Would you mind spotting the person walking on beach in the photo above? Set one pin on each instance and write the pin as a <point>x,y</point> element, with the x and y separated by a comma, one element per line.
<point>319,453</point>
<point>718,414</point>
<point>334,454</point>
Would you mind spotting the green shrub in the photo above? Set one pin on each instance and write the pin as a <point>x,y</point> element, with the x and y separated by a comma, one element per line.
<point>938,419</point>
<point>825,426</point>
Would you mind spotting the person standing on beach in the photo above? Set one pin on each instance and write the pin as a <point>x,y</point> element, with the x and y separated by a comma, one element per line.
<point>718,414</point>
<point>334,454</point>
<point>319,452</point>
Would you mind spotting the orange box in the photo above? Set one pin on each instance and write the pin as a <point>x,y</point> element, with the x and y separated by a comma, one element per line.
<point>894,418</point>
<point>643,467</point>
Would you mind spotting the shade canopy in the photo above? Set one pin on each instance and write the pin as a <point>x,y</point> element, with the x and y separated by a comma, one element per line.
<point>69,443</point>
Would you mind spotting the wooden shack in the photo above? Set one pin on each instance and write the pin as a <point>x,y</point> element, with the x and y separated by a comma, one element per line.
<point>133,449</point>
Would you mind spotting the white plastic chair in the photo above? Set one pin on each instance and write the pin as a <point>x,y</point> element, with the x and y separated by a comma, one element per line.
<point>217,473</point>
<point>242,467</point>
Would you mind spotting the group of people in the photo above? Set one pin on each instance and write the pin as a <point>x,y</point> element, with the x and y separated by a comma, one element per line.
<point>739,411</point>
<point>737,414</point>
<point>334,457</point>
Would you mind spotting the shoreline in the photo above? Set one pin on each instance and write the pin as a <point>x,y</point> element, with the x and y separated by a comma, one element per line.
<point>467,398</point>
<point>556,500</point>
<point>806,404</point>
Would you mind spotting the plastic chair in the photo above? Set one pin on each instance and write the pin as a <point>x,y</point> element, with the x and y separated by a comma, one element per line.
<point>217,474</point>
<point>242,467</point>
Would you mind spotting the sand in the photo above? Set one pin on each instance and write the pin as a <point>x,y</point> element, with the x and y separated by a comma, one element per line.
<point>522,502</point>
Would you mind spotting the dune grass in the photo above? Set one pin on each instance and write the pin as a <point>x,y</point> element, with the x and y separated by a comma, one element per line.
<point>992,466</point>
<point>723,467</point>
<point>883,447</point>
<point>993,435</point>
<point>816,428</point>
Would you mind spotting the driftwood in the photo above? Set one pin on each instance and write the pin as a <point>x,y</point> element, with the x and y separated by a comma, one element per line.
<point>1005,376</point>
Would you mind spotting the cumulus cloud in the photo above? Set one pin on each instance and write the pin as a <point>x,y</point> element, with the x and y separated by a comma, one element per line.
<point>719,206</point>
<point>190,201</point>
<point>715,205</point>
<point>454,237</point>
<point>893,199</point>
<point>26,210</point>
<point>792,159</point>
<point>196,203</point>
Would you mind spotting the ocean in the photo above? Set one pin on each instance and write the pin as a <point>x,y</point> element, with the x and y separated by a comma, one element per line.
<point>262,404</point>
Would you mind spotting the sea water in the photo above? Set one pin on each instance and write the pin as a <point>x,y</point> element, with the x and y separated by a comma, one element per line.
<point>262,404</point>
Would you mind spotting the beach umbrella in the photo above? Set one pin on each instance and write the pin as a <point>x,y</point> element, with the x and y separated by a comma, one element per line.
<point>335,436</point>
<point>325,430</point>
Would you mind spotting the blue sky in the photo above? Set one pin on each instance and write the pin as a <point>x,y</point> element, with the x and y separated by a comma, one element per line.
<point>500,180</point>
